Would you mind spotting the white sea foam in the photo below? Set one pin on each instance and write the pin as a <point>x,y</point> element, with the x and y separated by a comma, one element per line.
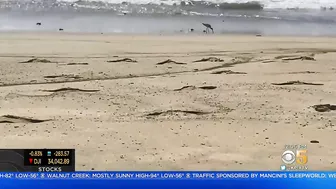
<point>281,4</point>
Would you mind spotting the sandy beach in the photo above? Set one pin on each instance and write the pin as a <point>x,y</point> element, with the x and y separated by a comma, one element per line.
<point>142,102</point>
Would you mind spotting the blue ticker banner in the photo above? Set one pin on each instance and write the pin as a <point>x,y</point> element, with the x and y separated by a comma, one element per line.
<point>162,180</point>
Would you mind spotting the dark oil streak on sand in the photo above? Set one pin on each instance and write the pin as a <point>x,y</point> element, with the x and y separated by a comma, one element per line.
<point>130,76</point>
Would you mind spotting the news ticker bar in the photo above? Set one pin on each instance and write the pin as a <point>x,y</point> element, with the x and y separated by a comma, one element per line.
<point>37,160</point>
<point>170,175</point>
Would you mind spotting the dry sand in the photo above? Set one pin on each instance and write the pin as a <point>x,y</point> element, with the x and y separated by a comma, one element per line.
<point>135,115</point>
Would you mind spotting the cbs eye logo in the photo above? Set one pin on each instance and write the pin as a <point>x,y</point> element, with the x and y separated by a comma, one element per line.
<point>289,157</point>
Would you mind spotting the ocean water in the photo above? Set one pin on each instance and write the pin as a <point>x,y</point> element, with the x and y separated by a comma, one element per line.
<point>266,17</point>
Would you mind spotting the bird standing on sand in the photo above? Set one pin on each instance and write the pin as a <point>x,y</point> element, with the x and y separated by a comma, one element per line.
<point>208,26</point>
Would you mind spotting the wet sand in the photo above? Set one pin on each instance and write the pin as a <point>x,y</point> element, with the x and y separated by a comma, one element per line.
<point>152,103</point>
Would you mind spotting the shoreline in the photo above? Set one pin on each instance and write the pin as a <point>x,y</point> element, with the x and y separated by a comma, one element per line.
<point>237,22</point>
<point>177,34</point>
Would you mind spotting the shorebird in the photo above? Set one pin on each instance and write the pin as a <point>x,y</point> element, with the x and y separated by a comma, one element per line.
<point>208,26</point>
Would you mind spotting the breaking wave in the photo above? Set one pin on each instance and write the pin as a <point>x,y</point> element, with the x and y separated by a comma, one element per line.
<point>163,4</point>
<point>128,6</point>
